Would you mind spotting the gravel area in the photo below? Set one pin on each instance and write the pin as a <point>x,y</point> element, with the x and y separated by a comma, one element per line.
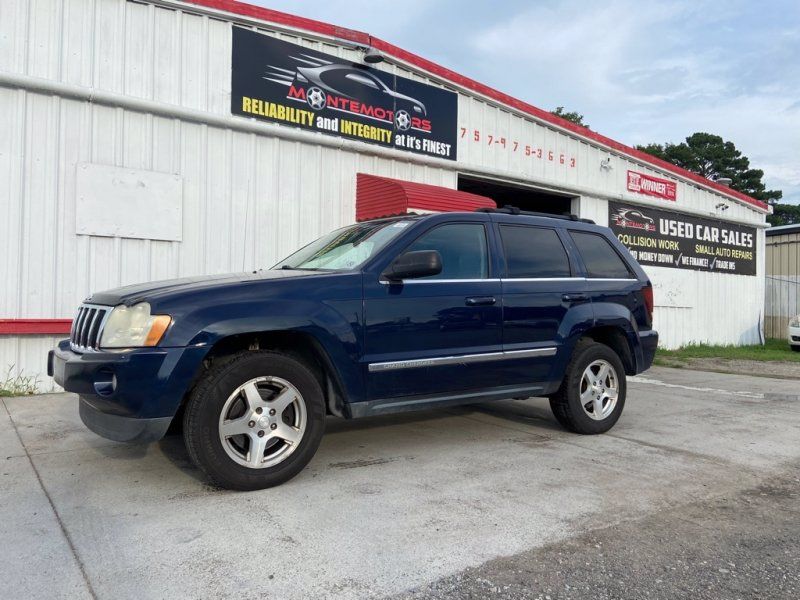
<point>782,370</point>
<point>745,545</point>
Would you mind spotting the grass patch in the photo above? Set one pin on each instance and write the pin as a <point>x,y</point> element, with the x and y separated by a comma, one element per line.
<point>774,350</point>
<point>19,384</point>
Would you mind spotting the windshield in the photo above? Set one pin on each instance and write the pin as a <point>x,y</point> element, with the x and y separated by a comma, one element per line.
<point>346,248</point>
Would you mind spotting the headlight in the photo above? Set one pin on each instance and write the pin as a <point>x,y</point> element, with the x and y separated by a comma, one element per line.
<point>133,326</point>
<point>794,321</point>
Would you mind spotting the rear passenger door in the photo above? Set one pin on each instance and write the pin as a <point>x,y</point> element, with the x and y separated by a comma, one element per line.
<point>540,287</point>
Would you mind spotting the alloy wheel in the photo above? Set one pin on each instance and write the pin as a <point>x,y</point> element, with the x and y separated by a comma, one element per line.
<point>599,389</point>
<point>262,422</point>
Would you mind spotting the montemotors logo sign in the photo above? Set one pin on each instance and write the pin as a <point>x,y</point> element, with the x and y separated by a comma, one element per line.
<point>652,186</point>
<point>285,83</point>
<point>664,238</point>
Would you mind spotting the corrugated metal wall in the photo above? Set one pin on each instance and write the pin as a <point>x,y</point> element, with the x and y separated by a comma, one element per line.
<point>248,199</point>
<point>783,281</point>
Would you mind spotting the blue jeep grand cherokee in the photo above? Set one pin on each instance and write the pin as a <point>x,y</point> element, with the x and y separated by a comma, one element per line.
<point>384,316</point>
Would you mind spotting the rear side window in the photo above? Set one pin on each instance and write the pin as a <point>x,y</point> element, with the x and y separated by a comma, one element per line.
<point>533,252</point>
<point>599,256</point>
<point>463,249</point>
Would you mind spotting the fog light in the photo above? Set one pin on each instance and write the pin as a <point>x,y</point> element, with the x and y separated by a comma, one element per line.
<point>105,382</point>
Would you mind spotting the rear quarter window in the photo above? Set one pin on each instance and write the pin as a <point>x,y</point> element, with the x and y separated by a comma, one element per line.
<point>600,257</point>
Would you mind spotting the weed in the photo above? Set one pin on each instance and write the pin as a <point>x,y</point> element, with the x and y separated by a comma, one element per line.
<point>18,384</point>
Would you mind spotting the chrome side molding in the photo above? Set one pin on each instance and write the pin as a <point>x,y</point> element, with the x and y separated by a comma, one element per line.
<point>460,359</point>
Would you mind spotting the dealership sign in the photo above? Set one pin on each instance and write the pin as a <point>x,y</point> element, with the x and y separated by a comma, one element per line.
<point>663,238</point>
<point>285,83</point>
<point>652,186</point>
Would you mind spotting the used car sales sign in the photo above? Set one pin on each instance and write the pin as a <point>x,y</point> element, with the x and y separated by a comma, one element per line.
<point>652,186</point>
<point>663,238</point>
<point>285,83</point>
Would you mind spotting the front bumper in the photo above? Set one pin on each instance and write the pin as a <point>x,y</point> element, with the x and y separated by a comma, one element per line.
<point>119,428</point>
<point>131,395</point>
<point>793,333</point>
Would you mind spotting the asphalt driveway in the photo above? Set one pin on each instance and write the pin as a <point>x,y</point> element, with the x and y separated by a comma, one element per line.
<point>413,505</point>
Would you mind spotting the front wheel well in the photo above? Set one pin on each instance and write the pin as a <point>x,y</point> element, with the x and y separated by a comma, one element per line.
<point>301,345</point>
<point>614,338</point>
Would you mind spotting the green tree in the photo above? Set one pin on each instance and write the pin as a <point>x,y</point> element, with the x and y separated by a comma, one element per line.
<point>714,158</point>
<point>784,214</point>
<point>571,116</point>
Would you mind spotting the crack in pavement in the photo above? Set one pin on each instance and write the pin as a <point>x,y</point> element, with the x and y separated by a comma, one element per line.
<point>64,532</point>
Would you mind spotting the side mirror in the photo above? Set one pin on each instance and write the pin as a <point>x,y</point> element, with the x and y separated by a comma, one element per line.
<point>411,265</point>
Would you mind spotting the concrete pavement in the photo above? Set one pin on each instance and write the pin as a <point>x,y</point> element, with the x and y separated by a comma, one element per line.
<point>387,505</point>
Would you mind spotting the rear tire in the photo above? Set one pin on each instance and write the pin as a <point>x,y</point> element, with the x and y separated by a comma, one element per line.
<point>592,394</point>
<point>254,421</point>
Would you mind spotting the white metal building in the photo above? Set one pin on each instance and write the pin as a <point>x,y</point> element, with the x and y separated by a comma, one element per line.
<point>135,146</point>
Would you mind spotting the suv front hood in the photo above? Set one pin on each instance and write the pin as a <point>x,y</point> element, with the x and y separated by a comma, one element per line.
<point>142,292</point>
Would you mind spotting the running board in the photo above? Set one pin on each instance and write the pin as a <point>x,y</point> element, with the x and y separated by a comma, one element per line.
<point>386,406</point>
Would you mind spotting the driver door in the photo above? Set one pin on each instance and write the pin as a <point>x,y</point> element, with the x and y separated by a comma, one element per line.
<point>416,330</point>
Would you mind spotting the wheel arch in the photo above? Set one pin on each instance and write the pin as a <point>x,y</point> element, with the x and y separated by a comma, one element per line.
<point>302,345</point>
<point>617,339</point>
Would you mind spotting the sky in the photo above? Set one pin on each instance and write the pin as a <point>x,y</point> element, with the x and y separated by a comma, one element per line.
<point>639,71</point>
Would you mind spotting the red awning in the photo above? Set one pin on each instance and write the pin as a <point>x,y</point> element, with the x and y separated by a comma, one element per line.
<point>384,197</point>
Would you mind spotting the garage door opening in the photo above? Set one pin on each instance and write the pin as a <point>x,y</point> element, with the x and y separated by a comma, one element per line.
<point>523,197</point>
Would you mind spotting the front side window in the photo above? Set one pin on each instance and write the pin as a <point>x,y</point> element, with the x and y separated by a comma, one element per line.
<point>463,249</point>
<point>346,248</point>
<point>599,256</point>
<point>533,252</point>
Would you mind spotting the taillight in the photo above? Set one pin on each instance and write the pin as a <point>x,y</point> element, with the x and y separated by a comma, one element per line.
<point>647,291</point>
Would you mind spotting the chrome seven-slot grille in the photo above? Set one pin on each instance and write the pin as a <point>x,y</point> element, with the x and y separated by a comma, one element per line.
<point>88,327</point>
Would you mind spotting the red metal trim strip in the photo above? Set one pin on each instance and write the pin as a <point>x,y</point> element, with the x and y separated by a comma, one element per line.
<point>281,18</point>
<point>35,326</point>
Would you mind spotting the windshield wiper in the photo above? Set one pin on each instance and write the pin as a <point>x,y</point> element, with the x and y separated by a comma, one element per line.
<point>290,268</point>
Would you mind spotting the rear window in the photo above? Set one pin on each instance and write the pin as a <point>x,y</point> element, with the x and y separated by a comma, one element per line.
<point>533,252</point>
<point>600,257</point>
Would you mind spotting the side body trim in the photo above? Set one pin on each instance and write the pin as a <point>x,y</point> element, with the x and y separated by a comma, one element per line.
<point>461,359</point>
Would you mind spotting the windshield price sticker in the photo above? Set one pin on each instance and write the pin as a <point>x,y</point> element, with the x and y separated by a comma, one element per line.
<point>278,81</point>
<point>664,238</point>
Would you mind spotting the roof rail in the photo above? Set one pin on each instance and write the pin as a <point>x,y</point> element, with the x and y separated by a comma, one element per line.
<point>513,210</point>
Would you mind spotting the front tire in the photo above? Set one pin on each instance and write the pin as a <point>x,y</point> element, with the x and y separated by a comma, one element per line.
<point>254,421</point>
<point>592,394</point>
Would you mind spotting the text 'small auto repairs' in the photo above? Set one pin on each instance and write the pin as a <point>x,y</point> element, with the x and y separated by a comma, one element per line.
<point>157,139</point>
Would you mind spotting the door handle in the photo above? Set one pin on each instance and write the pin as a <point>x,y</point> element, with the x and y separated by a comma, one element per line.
<point>480,301</point>
<point>574,297</point>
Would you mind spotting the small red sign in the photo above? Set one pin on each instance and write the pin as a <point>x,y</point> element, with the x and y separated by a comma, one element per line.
<point>652,186</point>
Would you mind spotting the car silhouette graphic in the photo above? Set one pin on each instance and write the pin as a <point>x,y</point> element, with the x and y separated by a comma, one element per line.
<point>634,219</point>
<point>319,77</point>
